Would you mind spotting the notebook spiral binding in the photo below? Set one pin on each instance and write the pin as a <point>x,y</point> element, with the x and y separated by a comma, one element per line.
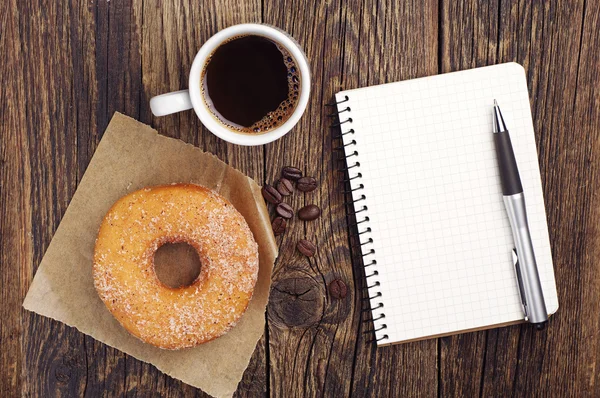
<point>356,209</point>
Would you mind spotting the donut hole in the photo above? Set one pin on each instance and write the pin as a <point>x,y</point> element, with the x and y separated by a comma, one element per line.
<point>177,264</point>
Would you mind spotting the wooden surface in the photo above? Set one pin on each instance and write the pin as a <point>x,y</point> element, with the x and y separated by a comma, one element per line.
<point>69,65</point>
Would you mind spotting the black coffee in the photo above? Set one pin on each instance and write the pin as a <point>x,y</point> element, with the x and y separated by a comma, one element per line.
<point>251,84</point>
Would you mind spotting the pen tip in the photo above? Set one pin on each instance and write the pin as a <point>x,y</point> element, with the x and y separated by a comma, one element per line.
<point>541,325</point>
<point>495,102</point>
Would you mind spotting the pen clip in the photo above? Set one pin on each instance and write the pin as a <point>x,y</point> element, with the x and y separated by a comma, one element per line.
<point>515,259</point>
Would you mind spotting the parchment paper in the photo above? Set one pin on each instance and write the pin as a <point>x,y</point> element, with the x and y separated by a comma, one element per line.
<point>130,156</point>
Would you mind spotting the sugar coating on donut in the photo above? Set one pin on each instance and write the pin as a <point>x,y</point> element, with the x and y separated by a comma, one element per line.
<point>131,232</point>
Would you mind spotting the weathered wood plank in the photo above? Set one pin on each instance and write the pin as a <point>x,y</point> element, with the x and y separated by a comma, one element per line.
<point>15,242</point>
<point>545,38</point>
<point>53,355</point>
<point>319,340</point>
<point>386,42</point>
<point>104,83</point>
<point>310,334</point>
<point>565,69</point>
<point>585,122</point>
<point>549,48</point>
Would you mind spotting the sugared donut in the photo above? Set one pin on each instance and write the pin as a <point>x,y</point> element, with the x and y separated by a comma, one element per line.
<point>173,318</point>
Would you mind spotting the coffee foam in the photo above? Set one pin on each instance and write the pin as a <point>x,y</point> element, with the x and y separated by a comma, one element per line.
<point>273,119</point>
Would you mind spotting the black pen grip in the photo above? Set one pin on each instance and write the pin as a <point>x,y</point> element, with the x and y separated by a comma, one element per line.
<point>509,174</point>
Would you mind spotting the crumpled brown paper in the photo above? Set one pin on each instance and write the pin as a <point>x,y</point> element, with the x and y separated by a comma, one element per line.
<point>130,156</point>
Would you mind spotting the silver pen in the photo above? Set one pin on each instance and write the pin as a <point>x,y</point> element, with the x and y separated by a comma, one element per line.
<point>528,279</point>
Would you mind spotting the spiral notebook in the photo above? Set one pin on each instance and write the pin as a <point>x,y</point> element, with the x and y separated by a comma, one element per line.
<point>434,235</point>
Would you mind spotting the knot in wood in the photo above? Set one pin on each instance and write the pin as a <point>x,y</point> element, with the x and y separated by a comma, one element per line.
<point>296,302</point>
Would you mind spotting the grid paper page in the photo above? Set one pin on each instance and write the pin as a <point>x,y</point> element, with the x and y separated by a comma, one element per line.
<point>439,228</point>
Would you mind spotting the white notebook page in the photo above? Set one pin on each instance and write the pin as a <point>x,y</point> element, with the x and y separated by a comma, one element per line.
<point>440,232</point>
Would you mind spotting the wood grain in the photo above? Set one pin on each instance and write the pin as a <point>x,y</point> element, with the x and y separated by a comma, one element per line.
<point>386,42</point>
<point>15,241</point>
<point>548,40</point>
<point>69,67</point>
<point>304,321</point>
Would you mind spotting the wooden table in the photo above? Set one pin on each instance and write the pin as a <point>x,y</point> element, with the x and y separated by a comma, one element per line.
<point>68,68</point>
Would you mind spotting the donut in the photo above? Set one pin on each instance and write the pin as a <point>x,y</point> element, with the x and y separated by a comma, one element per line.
<point>123,266</point>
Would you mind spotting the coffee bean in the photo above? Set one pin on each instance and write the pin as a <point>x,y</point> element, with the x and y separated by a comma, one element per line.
<point>291,173</point>
<point>278,226</point>
<point>270,194</point>
<point>306,247</point>
<point>338,289</point>
<point>306,184</point>
<point>284,210</point>
<point>309,213</point>
<point>285,187</point>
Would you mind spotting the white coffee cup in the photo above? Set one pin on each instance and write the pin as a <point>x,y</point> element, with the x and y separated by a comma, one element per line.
<point>177,101</point>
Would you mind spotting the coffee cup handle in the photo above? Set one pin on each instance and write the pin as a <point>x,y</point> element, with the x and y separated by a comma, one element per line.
<point>166,104</point>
